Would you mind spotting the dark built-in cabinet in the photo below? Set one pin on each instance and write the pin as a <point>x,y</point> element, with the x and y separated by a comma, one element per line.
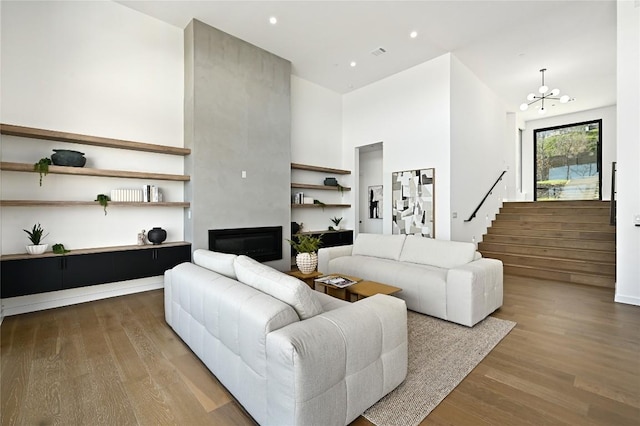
<point>21,276</point>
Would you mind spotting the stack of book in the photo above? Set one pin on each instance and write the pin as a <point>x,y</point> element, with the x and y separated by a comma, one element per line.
<point>151,194</point>
<point>338,281</point>
<point>298,198</point>
<point>148,194</point>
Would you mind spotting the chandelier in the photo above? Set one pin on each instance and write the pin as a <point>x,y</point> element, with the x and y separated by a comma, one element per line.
<point>544,94</point>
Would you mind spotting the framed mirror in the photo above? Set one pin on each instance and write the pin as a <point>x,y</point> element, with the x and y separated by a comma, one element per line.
<point>413,202</point>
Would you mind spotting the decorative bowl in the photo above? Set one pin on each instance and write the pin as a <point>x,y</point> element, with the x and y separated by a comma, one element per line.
<point>67,157</point>
<point>37,249</point>
<point>157,235</point>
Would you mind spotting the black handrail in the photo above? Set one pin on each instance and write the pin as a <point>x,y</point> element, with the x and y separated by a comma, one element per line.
<point>612,205</point>
<point>485,197</point>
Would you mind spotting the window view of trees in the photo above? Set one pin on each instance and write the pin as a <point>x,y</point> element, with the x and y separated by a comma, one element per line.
<point>568,162</point>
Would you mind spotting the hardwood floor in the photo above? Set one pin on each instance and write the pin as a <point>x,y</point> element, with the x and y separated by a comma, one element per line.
<point>573,358</point>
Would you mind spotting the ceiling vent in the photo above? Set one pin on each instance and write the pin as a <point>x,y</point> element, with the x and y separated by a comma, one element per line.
<point>379,51</point>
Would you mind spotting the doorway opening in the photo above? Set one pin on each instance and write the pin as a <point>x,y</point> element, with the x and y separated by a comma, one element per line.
<point>370,189</point>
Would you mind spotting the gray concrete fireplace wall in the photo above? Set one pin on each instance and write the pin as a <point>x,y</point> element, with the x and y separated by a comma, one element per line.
<point>237,124</point>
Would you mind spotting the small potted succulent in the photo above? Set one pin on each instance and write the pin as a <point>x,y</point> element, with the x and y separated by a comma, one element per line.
<point>336,223</point>
<point>306,247</point>
<point>36,236</point>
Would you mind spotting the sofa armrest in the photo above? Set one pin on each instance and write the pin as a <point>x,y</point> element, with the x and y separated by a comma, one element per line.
<point>474,291</point>
<point>327,253</point>
<point>346,359</point>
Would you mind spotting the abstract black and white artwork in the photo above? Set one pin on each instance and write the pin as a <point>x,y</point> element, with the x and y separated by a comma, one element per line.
<point>413,202</point>
<point>375,202</point>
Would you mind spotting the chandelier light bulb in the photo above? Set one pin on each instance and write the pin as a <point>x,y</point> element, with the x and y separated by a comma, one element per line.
<point>541,111</point>
<point>555,92</point>
<point>564,99</point>
<point>543,89</point>
<point>524,107</point>
<point>531,96</point>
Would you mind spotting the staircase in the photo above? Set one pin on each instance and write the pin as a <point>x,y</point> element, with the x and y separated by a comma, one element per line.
<point>568,241</point>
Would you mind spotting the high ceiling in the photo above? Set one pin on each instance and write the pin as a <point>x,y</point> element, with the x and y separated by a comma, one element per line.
<point>505,43</point>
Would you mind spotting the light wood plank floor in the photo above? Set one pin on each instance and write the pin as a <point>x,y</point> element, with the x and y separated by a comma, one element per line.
<point>573,358</point>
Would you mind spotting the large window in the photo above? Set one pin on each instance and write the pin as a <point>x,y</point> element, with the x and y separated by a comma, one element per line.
<point>568,162</point>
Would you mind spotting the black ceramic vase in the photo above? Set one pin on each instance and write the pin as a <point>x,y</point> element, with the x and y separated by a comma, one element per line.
<point>157,235</point>
<point>67,157</point>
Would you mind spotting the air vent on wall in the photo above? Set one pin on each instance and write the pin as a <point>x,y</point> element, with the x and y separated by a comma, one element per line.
<point>379,51</point>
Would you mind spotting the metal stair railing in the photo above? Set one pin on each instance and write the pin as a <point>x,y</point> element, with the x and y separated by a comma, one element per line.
<point>485,197</point>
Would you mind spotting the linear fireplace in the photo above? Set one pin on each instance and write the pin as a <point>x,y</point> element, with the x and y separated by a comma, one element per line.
<point>262,244</point>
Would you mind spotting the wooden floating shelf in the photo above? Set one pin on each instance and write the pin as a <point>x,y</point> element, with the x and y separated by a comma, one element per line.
<point>52,135</point>
<point>84,171</point>
<point>321,187</point>
<point>296,166</point>
<point>48,203</point>
<point>312,206</point>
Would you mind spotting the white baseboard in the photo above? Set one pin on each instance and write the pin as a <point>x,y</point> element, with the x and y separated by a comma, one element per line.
<point>56,299</point>
<point>629,300</point>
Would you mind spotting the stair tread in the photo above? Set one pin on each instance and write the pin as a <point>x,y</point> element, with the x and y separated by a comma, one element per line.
<point>563,271</point>
<point>555,270</point>
<point>534,247</point>
<point>564,259</point>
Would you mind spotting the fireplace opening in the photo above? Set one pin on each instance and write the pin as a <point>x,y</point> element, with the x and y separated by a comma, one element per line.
<point>262,244</point>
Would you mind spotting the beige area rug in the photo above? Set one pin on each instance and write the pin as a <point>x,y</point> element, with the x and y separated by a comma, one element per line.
<point>441,354</point>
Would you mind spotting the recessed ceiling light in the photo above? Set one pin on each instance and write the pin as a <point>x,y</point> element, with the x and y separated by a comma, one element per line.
<point>273,20</point>
<point>353,63</point>
<point>413,34</point>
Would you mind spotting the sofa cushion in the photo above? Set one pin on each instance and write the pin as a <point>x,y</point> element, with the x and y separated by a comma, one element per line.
<point>221,263</point>
<point>440,253</point>
<point>378,245</point>
<point>283,287</point>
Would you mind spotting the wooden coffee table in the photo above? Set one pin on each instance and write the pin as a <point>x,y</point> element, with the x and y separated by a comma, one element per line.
<point>365,288</point>
<point>307,278</point>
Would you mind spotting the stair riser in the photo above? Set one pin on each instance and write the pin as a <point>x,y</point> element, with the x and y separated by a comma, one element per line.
<point>556,264</point>
<point>594,280</point>
<point>568,211</point>
<point>551,242</point>
<point>553,218</point>
<point>568,226</point>
<point>599,236</point>
<point>553,204</point>
<point>560,253</point>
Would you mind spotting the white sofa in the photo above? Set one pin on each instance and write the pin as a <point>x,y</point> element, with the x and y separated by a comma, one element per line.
<point>288,354</point>
<point>444,279</point>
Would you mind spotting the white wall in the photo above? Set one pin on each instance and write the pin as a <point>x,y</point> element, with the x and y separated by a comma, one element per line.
<point>316,139</point>
<point>95,68</point>
<point>409,111</point>
<point>609,140</point>
<point>370,174</point>
<point>628,174</point>
<point>480,150</point>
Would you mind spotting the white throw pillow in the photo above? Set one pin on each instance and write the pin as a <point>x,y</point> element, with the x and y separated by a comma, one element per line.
<point>221,263</point>
<point>283,287</point>
<point>378,245</point>
<point>440,253</point>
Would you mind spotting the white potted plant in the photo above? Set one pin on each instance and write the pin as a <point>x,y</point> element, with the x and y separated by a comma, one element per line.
<point>36,236</point>
<point>336,223</point>
<point>306,247</point>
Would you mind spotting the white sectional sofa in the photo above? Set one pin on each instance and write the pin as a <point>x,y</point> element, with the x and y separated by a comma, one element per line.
<point>288,354</point>
<point>444,279</point>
